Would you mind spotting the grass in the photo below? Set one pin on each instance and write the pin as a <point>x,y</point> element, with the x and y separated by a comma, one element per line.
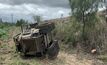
<point>103,58</point>
<point>8,55</point>
<point>16,62</point>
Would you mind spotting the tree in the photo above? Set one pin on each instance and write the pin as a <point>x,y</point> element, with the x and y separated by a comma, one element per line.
<point>1,21</point>
<point>37,18</point>
<point>85,11</point>
<point>20,22</point>
<point>105,5</point>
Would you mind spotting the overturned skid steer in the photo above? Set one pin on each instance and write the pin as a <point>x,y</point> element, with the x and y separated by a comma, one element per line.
<point>36,39</point>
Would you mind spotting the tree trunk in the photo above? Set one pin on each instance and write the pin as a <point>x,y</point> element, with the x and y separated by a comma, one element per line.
<point>83,31</point>
<point>106,14</point>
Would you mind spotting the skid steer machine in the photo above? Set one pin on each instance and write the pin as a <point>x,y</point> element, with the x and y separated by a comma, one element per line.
<point>37,39</point>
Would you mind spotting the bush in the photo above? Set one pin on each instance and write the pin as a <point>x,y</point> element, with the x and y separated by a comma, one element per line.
<point>68,32</point>
<point>3,31</point>
<point>20,22</point>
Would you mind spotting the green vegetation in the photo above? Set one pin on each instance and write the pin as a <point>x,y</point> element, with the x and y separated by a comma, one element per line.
<point>3,30</point>
<point>21,22</point>
<point>6,26</point>
<point>85,28</point>
<point>37,18</point>
<point>84,11</point>
<point>68,32</point>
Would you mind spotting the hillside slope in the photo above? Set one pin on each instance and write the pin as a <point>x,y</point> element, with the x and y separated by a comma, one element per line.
<point>8,55</point>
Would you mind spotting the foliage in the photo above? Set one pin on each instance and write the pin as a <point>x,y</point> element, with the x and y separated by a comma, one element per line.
<point>68,32</point>
<point>37,18</point>
<point>21,22</point>
<point>85,26</point>
<point>3,31</point>
<point>85,14</point>
<point>3,34</point>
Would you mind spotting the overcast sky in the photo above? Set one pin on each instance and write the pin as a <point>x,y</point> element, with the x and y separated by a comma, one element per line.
<point>47,9</point>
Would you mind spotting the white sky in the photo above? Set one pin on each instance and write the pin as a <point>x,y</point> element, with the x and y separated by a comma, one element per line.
<point>47,9</point>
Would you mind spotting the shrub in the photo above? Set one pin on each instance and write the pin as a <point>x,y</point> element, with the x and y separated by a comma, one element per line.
<point>20,22</point>
<point>68,32</point>
<point>3,31</point>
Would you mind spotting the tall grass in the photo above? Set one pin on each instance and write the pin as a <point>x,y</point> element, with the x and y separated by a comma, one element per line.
<point>70,33</point>
<point>4,29</point>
